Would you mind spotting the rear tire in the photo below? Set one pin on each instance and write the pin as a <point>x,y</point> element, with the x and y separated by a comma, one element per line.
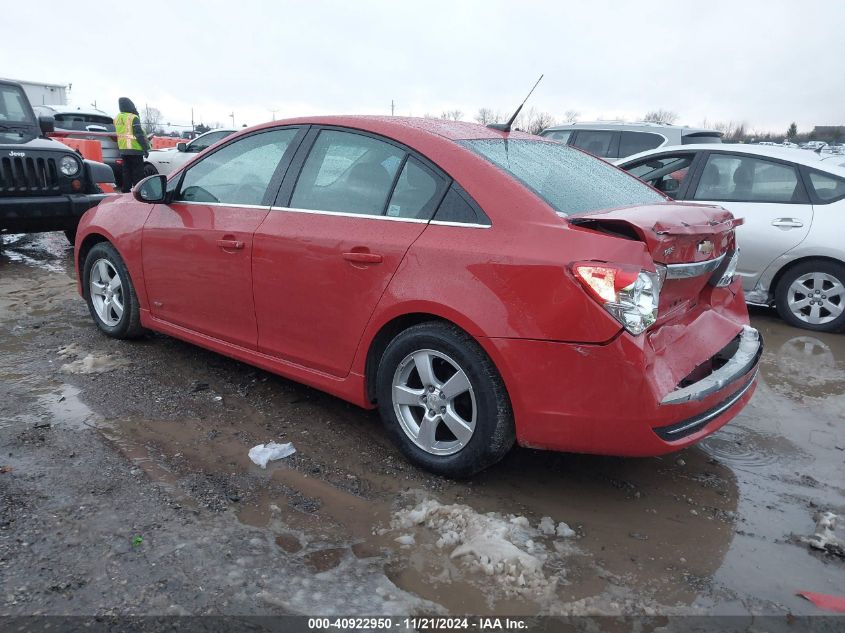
<point>149,170</point>
<point>443,402</point>
<point>110,294</point>
<point>70,234</point>
<point>811,295</point>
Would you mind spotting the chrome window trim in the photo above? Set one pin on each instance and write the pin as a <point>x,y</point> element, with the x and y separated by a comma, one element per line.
<point>343,214</point>
<point>469,225</point>
<point>222,204</point>
<point>693,269</point>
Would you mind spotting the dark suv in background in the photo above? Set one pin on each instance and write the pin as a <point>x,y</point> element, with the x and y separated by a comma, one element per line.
<point>44,185</point>
<point>617,139</point>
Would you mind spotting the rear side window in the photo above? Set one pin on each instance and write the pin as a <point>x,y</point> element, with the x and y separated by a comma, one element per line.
<point>597,142</point>
<point>827,186</point>
<point>416,194</point>
<point>456,207</point>
<point>636,142</point>
<point>568,180</point>
<point>746,179</point>
<point>347,173</point>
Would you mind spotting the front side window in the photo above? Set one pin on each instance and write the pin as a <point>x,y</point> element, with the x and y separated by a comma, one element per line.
<point>827,186</point>
<point>747,179</point>
<point>631,143</point>
<point>347,173</point>
<point>416,194</point>
<point>597,142</point>
<point>13,106</point>
<point>238,173</point>
<point>568,180</point>
<point>665,173</point>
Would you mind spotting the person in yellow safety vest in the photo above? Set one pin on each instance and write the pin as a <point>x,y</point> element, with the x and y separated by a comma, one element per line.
<point>133,145</point>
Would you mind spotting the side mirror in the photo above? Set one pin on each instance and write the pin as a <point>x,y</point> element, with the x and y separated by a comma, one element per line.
<point>47,123</point>
<point>181,147</point>
<point>151,189</point>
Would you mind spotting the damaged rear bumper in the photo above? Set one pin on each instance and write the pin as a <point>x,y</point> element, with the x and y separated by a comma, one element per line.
<point>634,396</point>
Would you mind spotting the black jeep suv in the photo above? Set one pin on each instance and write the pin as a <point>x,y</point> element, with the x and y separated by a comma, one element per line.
<point>44,185</point>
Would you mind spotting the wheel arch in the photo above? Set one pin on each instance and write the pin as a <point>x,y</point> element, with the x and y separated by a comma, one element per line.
<point>390,329</point>
<point>90,240</point>
<point>792,264</point>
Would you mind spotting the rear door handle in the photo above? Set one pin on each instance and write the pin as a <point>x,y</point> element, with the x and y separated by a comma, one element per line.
<point>363,258</point>
<point>788,223</point>
<point>230,245</point>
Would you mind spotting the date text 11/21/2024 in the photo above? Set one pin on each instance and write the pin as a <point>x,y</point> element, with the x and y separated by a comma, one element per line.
<point>419,623</point>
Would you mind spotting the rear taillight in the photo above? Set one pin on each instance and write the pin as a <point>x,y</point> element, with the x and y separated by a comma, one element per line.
<point>629,294</point>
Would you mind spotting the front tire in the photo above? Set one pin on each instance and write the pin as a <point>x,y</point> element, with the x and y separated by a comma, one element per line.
<point>811,295</point>
<point>443,402</point>
<point>110,294</point>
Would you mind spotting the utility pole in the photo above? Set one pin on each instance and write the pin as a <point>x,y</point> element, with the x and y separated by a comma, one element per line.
<point>274,114</point>
<point>233,119</point>
<point>192,120</point>
<point>392,107</point>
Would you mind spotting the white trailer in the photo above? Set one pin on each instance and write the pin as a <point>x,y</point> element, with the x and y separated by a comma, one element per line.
<point>43,94</point>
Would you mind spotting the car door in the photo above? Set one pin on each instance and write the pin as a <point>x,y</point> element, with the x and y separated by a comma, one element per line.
<point>197,250</point>
<point>326,252</point>
<point>768,194</point>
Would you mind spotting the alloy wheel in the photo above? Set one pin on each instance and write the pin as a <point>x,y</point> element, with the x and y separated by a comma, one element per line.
<point>434,402</point>
<point>816,298</point>
<point>106,292</point>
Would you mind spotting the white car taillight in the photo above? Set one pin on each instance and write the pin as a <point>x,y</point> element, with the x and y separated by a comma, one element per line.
<point>630,295</point>
<point>730,271</point>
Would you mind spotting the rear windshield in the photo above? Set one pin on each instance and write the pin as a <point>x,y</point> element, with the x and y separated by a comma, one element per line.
<point>83,122</point>
<point>570,181</point>
<point>701,137</point>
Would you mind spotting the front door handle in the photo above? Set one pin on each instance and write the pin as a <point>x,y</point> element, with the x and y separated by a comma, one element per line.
<point>788,223</point>
<point>230,245</point>
<point>363,258</point>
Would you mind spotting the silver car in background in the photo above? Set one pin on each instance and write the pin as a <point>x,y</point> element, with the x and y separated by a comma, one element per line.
<point>792,244</point>
<point>617,139</point>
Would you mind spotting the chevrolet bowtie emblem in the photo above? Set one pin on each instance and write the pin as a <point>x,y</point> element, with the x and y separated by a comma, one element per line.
<point>705,247</point>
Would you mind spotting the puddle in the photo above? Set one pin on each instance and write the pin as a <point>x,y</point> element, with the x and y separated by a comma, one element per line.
<point>50,252</point>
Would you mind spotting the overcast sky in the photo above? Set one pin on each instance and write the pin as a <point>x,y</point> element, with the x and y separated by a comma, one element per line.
<point>762,63</point>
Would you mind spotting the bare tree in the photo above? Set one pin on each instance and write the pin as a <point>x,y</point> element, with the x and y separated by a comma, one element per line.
<point>535,122</point>
<point>486,116</point>
<point>661,116</point>
<point>571,116</point>
<point>452,115</point>
<point>151,120</point>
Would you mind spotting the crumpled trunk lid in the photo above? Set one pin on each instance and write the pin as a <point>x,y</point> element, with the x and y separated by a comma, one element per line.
<point>691,242</point>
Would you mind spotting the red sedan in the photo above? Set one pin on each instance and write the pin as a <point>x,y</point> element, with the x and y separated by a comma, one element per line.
<point>479,287</point>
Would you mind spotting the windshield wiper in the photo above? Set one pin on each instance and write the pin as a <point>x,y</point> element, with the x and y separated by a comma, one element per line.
<point>8,128</point>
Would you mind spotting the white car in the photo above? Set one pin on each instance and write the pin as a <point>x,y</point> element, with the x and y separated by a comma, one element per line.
<point>164,161</point>
<point>792,243</point>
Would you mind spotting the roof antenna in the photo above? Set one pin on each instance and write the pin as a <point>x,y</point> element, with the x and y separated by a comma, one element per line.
<point>506,127</point>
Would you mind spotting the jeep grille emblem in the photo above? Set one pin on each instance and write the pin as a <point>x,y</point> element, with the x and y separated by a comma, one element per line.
<point>14,154</point>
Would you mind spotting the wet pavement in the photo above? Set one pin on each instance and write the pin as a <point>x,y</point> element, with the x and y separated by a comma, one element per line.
<point>125,487</point>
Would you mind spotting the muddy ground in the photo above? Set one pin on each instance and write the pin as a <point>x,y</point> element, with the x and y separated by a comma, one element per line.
<point>125,488</point>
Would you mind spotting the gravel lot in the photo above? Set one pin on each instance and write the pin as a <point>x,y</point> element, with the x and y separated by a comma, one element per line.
<point>125,488</point>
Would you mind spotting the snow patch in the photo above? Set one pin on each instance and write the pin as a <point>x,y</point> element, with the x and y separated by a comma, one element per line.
<point>825,538</point>
<point>88,363</point>
<point>503,547</point>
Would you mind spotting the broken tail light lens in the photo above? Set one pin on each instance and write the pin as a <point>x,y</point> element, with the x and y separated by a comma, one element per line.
<point>729,272</point>
<point>629,294</point>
